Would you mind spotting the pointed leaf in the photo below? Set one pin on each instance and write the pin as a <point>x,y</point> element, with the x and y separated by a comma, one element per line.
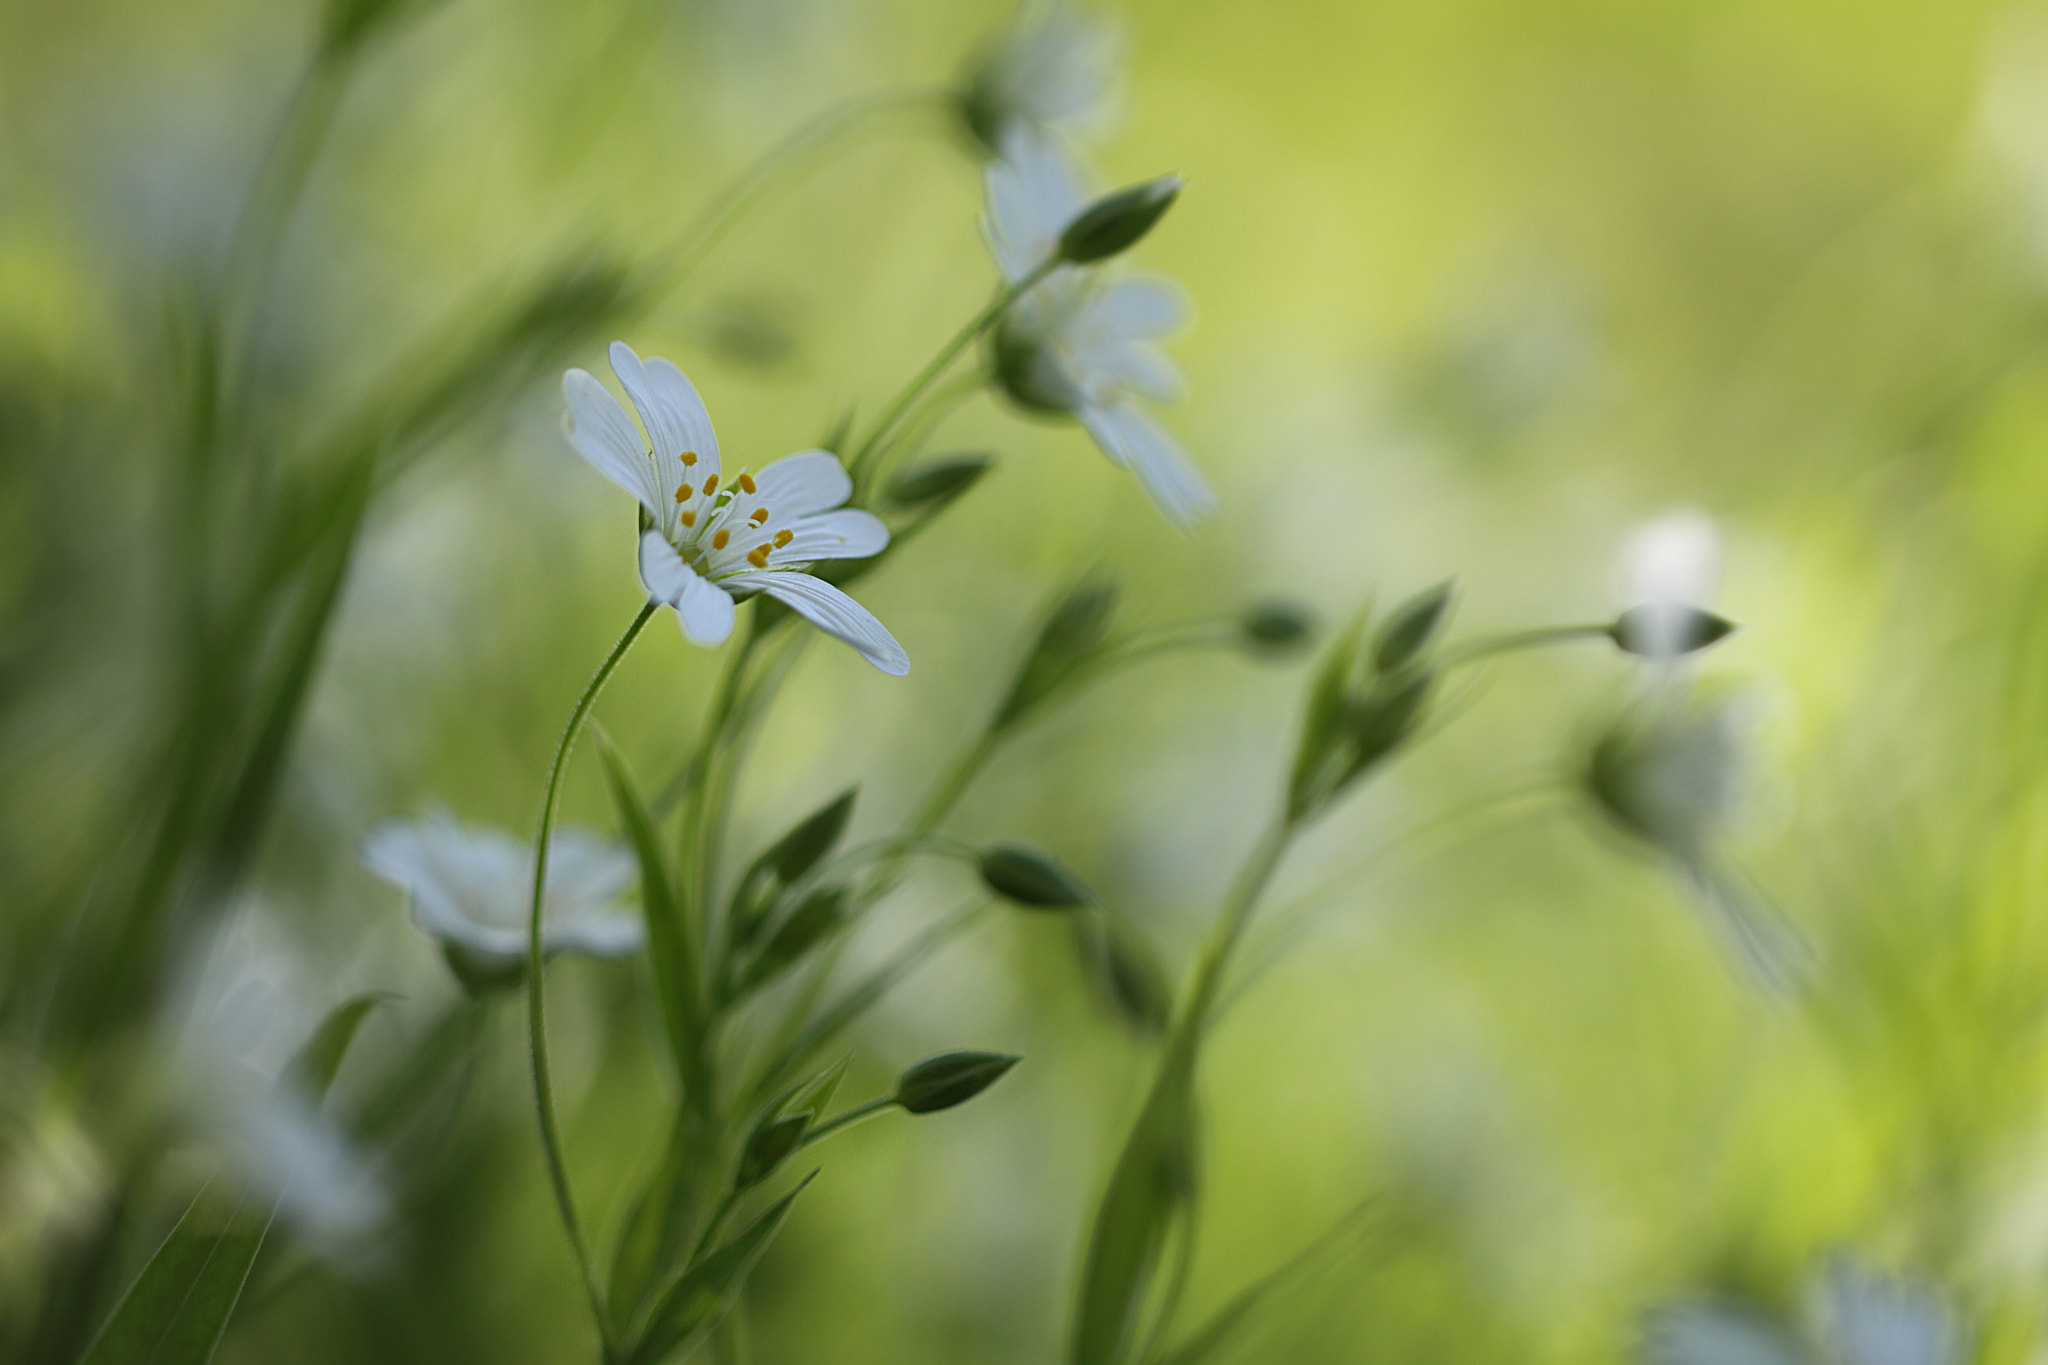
<point>701,1294</point>
<point>179,1306</point>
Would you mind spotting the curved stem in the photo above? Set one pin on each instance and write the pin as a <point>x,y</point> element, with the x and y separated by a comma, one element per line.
<point>1487,646</point>
<point>718,217</point>
<point>1258,870</point>
<point>536,999</point>
<point>938,365</point>
<point>846,1118</point>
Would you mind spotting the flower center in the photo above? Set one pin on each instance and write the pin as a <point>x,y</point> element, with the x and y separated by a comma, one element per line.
<point>728,534</point>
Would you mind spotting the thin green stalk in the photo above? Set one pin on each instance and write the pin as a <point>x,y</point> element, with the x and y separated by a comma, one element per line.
<point>536,998</point>
<point>1488,646</point>
<point>952,784</point>
<point>935,408</point>
<point>846,1119</point>
<point>1258,870</point>
<point>718,217</point>
<point>938,365</point>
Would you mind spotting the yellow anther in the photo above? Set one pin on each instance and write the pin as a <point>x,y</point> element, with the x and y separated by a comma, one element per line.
<point>758,556</point>
<point>746,482</point>
<point>718,541</point>
<point>760,515</point>
<point>689,457</point>
<point>689,518</point>
<point>683,492</point>
<point>710,484</point>
<point>783,538</point>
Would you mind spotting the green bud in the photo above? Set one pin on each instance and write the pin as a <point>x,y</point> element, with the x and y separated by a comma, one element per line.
<point>1387,715</point>
<point>937,482</point>
<point>1277,628</point>
<point>1115,222</point>
<point>1412,626</point>
<point>950,1078</point>
<point>768,1146</point>
<point>483,973</point>
<point>798,851</point>
<point>1073,632</point>
<point>1026,877</point>
<point>1668,631</point>
<point>819,914</point>
<point>1125,970</point>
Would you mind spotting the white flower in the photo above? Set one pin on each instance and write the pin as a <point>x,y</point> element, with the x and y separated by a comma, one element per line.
<point>1670,571</point>
<point>245,1010</point>
<point>1050,66</point>
<point>712,541</point>
<point>1078,343</point>
<point>472,888</point>
<point>1871,1319</point>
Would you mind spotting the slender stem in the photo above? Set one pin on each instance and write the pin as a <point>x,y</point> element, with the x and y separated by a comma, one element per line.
<point>1487,646</point>
<point>752,184</point>
<point>1258,870</point>
<point>939,363</point>
<point>846,1119</point>
<point>946,792</point>
<point>536,998</point>
<point>933,410</point>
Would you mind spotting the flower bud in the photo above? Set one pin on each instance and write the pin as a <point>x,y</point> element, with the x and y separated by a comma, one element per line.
<point>1069,637</point>
<point>935,483</point>
<point>950,1078</point>
<point>1034,880</point>
<point>1667,630</point>
<point>1115,222</point>
<point>1276,628</point>
<point>819,914</point>
<point>1412,626</point>
<point>768,1146</point>
<point>1669,773</point>
<point>1124,968</point>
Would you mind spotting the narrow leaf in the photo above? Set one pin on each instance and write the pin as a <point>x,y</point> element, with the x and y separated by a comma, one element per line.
<point>701,1294</point>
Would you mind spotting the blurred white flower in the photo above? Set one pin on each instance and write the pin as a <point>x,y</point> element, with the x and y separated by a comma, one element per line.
<point>1052,65</point>
<point>711,543</point>
<point>2013,114</point>
<point>245,1011</point>
<point>1860,1318</point>
<point>1081,344</point>
<point>1871,1319</point>
<point>471,888</point>
<point>1670,570</point>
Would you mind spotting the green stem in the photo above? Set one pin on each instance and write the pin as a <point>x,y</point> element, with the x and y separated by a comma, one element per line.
<point>1488,646</point>
<point>846,1119</point>
<point>718,217</point>
<point>946,792</point>
<point>536,999</point>
<point>939,364</point>
<point>1258,870</point>
<point>933,410</point>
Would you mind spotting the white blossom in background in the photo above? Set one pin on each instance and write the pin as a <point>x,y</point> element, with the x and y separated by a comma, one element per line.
<point>471,887</point>
<point>1082,343</point>
<point>245,1012</point>
<point>2013,115</point>
<point>1670,569</point>
<point>715,538</point>
<point>1053,66</point>
<point>1858,1318</point>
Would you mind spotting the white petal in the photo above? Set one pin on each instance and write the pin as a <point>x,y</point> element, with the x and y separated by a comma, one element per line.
<point>800,484</point>
<point>602,434</point>
<point>1141,307</point>
<point>670,409</point>
<point>833,612</point>
<point>1032,195</point>
<point>1716,1334</point>
<point>848,533</point>
<point>704,611</point>
<point>1674,559</point>
<point>662,571</point>
<point>1106,367</point>
<point>468,885</point>
<point>587,870</point>
<point>1131,438</point>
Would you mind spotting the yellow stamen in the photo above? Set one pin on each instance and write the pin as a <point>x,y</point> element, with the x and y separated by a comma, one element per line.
<point>783,538</point>
<point>718,541</point>
<point>710,484</point>
<point>746,482</point>
<point>758,556</point>
<point>683,492</point>
<point>689,518</point>
<point>760,515</point>
<point>689,457</point>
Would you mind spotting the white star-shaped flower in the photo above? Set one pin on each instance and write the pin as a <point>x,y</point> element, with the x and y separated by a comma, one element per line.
<point>1051,65</point>
<point>715,539</point>
<point>471,888</point>
<point>1081,343</point>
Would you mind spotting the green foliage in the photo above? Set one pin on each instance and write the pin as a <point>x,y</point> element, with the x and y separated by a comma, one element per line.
<point>1030,878</point>
<point>694,1302</point>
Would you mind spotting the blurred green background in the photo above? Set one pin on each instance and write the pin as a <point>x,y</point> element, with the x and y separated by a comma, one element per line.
<point>1478,285</point>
